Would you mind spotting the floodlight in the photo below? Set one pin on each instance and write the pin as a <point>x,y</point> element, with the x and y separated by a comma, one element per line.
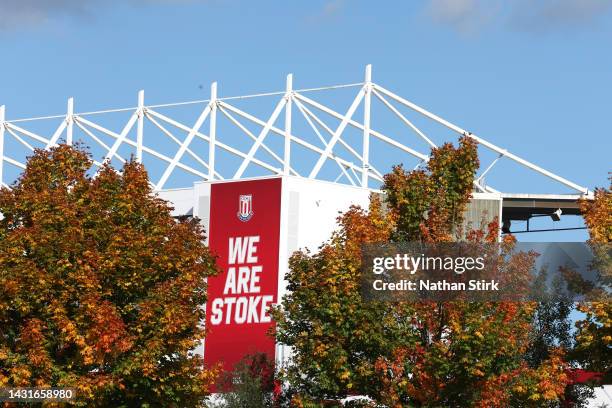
<point>556,216</point>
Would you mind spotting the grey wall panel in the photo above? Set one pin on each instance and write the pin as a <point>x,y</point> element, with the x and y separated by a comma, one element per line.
<point>293,222</point>
<point>480,212</point>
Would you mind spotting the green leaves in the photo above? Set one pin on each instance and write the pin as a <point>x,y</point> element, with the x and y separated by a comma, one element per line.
<point>429,204</point>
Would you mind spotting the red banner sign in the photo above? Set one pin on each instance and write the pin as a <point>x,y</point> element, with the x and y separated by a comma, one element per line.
<point>244,233</point>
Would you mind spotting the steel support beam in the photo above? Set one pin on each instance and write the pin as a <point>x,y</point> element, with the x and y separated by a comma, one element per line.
<point>140,126</point>
<point>338,133</point>
<point>69,121</point>
<point>361,171</point>
<point>212,131</point>
<point>287,147</point>
<point>2,125</point>
<point>483,142</point>
<point>365,161</point>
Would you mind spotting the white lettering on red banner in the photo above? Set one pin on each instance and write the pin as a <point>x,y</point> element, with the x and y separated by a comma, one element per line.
<point>243,276</point>
<point>244,233</point>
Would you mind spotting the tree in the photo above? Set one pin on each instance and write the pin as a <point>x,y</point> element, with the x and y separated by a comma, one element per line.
<point>411,354</point>
<point>251,384</point>
<point>100,288</point>
<point>334,332</point>
<point>594,332</point>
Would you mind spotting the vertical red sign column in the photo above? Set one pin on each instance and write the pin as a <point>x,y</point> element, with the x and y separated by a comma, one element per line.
<point>244,232</point>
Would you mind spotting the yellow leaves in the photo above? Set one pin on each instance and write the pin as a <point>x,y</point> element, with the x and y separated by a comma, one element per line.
<point>20,375</point>
<point>320,350</point>
<point>87,355</point>
<point>535,396</point>
<point>84,389</point>
<point>89,261</point>
<point>598,215</point>
<point>148,369</point>
<point>550,395</point>
<point>431,343</point>
<point>455,326</point>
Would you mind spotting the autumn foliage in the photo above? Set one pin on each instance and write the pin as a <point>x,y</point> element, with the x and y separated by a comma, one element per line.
<point>594,332</point>
<point>100,287</point>
<point>411,354</point>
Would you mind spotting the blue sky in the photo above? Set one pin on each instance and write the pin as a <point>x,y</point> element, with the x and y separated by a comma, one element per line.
<point>532,77</point>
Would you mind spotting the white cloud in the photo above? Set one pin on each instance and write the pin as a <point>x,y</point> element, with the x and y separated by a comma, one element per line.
<point>330,9</point>
<point>548,15</point>
<point>20,13</point>
<point>469,16</point>
<point>333,7</point>
<point>15,14</point>
<point>465,16</point>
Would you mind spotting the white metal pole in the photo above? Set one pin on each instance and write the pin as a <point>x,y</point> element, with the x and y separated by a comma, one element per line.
<point>213,131</point>
<point>262,135</point>
<point>2,110</point>
<point>140,126</point>
<point>337,134</point>
<point>287,155</point>
<point>177,157</point>
<point>69,121</point>
<point>365,163</point>
<point>122,136</point>
<point>483,142</point>
<point>403,118</point>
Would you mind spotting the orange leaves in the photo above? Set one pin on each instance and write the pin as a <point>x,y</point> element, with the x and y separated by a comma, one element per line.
<point>598,215</point>
<point>359,227</point>
<point>100,285</point>
<point>403,376</point>
<point>106,331</point>
<point>532,386</point>
<point>552,377</point>
<point>413,354</point>
<point>594,334</point>
<point>33,343</point>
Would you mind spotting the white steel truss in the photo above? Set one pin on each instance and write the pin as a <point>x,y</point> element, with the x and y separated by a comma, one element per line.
<point>357,170</point>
